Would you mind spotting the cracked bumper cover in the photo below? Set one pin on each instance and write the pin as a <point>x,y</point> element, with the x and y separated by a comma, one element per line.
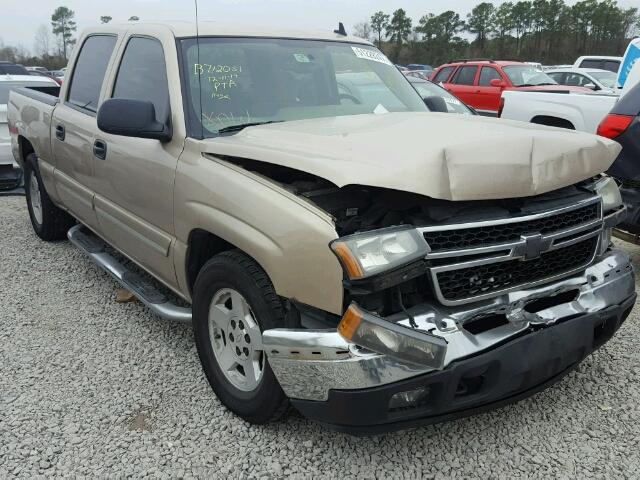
<point>337,383</point>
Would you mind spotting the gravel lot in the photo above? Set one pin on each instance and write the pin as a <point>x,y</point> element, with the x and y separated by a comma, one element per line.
<point>90,387</point>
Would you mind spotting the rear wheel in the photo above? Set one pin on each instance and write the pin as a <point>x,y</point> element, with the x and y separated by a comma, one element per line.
<point>234,302</point>
<point>48,221</point>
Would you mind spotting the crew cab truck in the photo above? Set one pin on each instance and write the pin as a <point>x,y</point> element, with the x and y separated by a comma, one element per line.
<point>336,245</point>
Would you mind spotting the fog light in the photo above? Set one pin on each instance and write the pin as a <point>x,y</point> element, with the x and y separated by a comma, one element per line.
<point>388,338</point>
<point>410,399</point>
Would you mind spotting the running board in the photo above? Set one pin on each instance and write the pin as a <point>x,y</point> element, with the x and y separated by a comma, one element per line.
<point>142,288</point>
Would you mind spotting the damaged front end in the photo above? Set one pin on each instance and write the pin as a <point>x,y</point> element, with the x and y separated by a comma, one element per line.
<point>435,292</point>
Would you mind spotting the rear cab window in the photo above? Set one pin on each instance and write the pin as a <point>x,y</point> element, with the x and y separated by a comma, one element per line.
<point>142,75</point>
<point>89,72</point>
<point>465,75</point>
<point>591,63</point>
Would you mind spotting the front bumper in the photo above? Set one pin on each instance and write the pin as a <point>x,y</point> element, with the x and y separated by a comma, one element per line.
<point>337,383</point>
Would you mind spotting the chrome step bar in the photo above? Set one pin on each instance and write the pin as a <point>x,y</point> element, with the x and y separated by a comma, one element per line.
<point>142,288</point>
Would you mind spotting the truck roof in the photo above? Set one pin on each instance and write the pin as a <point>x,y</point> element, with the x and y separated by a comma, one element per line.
<point>185,29</point>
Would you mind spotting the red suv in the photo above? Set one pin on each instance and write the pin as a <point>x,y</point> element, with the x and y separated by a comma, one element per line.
<point>480,83</point>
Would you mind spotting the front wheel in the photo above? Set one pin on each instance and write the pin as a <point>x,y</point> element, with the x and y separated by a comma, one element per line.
<point>234,302</point>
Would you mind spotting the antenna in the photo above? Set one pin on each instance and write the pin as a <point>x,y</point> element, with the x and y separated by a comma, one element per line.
<point>341,30</point>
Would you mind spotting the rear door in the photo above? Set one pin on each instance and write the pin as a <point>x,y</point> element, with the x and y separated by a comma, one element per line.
<point>134,180</point>
<point>73,124</point>
<point>488,96</point>
<point>462,84</point>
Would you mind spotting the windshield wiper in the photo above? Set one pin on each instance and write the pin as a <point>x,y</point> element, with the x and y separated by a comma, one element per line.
<point>242,126</point>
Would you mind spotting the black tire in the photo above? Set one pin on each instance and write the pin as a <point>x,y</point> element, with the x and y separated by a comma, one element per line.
<point>55,222</point>
<point>235,270</point>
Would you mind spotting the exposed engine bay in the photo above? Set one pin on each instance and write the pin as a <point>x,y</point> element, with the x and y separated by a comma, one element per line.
<point>358,208</point>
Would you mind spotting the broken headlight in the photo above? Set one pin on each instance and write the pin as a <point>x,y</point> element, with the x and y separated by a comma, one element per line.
<point>608,189</point>
<point>366,254</point>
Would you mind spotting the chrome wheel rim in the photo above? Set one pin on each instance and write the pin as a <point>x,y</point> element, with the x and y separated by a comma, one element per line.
<point>36,201</point>
<point>236,339</point>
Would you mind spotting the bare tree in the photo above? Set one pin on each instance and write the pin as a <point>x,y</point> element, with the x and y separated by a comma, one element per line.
<point>363,30</point>
<point>134,18</point>
<point>105,19</point>
<point>43,41</point>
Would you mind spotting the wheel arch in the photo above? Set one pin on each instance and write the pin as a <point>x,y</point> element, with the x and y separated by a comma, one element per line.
<point>552,121</point>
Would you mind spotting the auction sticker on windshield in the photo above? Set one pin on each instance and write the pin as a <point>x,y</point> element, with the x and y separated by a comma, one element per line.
<point>371,55</point>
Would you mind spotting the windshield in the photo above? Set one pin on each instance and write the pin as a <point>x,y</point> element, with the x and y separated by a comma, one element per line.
<point>428,89</point>
<point>235,81</point>
<point>9,69</point>
<point>527,76</point>
<point>608,79</point>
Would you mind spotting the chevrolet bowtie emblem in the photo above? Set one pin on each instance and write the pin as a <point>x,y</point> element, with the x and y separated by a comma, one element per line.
<point>534,246</point>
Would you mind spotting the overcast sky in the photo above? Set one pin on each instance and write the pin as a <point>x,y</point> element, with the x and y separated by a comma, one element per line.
<point>18,25</point>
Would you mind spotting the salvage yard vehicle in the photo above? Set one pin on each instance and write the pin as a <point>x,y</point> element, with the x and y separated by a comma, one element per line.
<point>591,78</point>
<point>374,264</point>
<point>622,124</point>
<point>431,92</point>
<point>479,83</point>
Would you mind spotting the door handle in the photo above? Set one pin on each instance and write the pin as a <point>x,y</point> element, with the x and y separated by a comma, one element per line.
<point>60,132</point>
<point>100,149</point>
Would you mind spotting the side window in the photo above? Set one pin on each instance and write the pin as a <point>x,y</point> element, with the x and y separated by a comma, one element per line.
<point>89,70</point>
<point>143,75</point>
<point>486,75</point>
<point>465,75</point>
<point>558,77</point>
<point>592,63</point>
<point>443,75</point>
<point>611,65</point>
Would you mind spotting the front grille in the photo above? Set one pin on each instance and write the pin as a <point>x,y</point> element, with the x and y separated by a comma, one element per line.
<point>496,234</point>
<point>480,280</point>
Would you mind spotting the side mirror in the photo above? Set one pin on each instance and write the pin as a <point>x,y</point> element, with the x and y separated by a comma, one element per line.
<point>132,118</point>
<point>436,104</point>
<point>497,82</point>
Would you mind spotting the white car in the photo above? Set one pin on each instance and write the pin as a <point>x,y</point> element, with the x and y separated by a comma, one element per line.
<point>10,173</point>
<point>599,61</point>
<point>594,78</point>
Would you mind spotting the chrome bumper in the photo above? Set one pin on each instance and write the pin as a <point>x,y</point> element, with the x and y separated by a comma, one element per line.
<point>310,363</point>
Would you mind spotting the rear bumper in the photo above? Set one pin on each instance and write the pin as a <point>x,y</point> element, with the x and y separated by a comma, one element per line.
<point>337,383</point>
<point>501,376</point>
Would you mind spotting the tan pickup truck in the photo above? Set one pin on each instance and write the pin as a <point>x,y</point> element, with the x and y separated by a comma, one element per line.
<point>336,245</point>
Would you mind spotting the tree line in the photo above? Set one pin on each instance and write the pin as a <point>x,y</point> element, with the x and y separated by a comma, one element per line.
<point>546,31</point>
<point>52,44</point>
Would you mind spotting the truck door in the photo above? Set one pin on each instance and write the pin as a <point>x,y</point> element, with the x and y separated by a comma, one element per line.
<point>134,177</point>
<point>488,96</point>
<point>73,124</point>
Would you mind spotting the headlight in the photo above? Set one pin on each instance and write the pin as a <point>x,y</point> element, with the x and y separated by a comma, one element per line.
<point>608,189</point>
<point>388,338</point>
<point>366,254</point>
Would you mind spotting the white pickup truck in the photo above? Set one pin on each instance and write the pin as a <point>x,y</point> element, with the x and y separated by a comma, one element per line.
<point>575,111</point>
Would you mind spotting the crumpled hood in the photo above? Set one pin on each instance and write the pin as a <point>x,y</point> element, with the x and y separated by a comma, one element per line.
<point>440,155</point>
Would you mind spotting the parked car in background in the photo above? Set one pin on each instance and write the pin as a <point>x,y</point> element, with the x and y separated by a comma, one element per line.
<point>575,111</point>
<point>480,83</point>
<point>59,74</point>
<point>600,62</point>
<point>423,74</point>
<point>419,66</point>
<point>622,124</point>
<point>47,74</point>
<point>10,68</point>
<point>428,90</point>
<point>10,172</point>
<point>592,78</point>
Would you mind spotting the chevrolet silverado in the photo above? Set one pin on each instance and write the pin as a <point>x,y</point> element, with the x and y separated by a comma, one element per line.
<point>336,246</point>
